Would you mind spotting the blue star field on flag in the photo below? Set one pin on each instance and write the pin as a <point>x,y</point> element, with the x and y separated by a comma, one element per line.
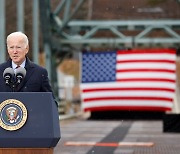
<point>99,67</point>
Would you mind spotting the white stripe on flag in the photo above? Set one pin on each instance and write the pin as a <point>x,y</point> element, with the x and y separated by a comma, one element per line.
<point>155,75</point>
<point>129,84</point>
<point>130,103</point>
<point>140,65</point>
<point>128,93</point>
<point>140,56</point>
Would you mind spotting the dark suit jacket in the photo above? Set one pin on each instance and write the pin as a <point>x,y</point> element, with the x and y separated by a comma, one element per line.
<point>36,79</point>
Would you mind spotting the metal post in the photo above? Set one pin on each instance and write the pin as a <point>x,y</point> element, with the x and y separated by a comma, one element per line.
<point>67,9</point>
<point>35,31</point>
<point>2,31</point>
<point>20,15</point>
<point>90,9</point>
<point>47,50</point>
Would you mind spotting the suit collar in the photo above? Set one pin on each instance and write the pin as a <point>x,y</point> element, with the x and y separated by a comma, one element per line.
<point>9,63</point>
<point>29,64</point>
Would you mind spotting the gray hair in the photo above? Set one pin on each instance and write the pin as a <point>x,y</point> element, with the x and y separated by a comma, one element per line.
<point>26,41</point>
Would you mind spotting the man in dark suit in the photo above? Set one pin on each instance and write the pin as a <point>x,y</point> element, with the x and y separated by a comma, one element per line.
<point>36,79</point>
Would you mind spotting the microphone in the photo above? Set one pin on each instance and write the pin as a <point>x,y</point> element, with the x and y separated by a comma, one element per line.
<point>20,74</point>
<point>8,74</point>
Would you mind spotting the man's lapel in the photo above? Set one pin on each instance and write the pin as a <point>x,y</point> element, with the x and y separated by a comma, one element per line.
<point>29,71</point>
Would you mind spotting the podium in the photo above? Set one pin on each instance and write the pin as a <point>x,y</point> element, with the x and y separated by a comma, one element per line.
<point>29,123</point>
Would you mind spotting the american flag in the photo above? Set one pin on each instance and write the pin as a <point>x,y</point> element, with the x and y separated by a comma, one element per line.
<point>129,80</point>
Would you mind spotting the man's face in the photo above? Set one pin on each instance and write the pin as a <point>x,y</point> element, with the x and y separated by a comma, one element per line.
<point>17,49</point>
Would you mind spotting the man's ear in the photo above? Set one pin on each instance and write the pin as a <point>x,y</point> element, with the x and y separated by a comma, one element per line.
<point>27,49</point>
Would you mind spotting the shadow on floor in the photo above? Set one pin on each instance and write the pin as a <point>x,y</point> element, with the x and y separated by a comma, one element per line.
<point>126,115</point>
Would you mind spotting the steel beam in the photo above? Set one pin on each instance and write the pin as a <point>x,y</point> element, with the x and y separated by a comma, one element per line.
<point>118,27</point>
<point>2,31</point>
<point>59,7</point>
<point>67,18</point>
<point>118,41</point>
<point>35,31</point>
<point>20,15</point>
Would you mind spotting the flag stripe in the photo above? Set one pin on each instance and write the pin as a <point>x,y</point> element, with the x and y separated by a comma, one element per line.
<point>147,51</point>
<point>146,70</point>
<point>127,98</point>
<point>143,79</point>
<point>130,84</point>
<point>129,103</point>
<point>124,89</point>
<point>146,61</point>
<point>148,65</point>
<point>126,108</point>
<point>127,93</point>
<point>148,75</point>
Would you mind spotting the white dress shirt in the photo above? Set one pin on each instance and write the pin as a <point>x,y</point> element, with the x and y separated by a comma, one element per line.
<point>14,66</point>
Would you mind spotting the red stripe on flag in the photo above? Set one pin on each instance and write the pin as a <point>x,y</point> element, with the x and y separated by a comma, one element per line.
<point>146,79</point>
<point>146,70</point>
<point>132,89</point>
<point>153,51</point>
<point>128,98</point>
<point>146,61</point>
<point>128,108</point>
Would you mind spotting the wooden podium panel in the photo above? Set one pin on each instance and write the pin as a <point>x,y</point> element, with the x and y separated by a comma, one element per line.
<point>26,150</point>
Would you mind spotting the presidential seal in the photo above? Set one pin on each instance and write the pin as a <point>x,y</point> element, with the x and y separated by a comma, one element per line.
<point>13,114</point>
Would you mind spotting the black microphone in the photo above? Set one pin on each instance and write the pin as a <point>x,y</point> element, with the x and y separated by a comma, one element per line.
<point>20,74</point>
<point>8,74</point>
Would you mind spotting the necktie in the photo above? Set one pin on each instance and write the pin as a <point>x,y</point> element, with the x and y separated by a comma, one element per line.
<point>17,66</point>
